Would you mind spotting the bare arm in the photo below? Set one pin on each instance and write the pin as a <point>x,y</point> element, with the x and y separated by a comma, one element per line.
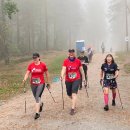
<point>101,75</point>
<point>116,74</point>
<point>86,64</point>
<point>63,71</point>
<point>26,76</point>
<point>82,73</point>
<point>47,77</point>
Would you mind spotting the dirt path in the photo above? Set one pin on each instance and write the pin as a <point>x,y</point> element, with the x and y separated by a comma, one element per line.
<point>90,114</point>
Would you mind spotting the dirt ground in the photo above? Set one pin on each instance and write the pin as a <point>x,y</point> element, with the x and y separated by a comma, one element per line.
<point>90,114</point>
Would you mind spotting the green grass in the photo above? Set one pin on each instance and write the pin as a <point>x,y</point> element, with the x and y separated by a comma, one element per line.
<point>123,58</point>
<point>127,68</point>
<point>56,64</point>
<point>10,85</point>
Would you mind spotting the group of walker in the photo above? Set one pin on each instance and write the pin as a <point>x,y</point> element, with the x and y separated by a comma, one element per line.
<point>74,70</point>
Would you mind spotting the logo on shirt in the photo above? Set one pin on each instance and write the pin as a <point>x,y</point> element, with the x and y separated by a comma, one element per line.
<point>36,70</point>
<point>71,68</point>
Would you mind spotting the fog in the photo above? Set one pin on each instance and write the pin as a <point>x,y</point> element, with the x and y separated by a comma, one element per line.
<point>43,25</point>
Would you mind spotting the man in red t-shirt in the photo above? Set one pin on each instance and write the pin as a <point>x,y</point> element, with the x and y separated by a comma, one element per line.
<point>37,70</point>
<point>71,69</point>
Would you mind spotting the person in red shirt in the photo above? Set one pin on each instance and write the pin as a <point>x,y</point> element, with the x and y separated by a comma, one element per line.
<point>37,70</point>
<point>71,69</point>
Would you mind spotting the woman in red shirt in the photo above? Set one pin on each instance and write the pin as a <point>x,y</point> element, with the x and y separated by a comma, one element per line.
<point>71,69</point>
<point>37,70</point>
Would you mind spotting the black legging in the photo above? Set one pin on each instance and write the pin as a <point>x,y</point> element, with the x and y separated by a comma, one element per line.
<point>37,91</point>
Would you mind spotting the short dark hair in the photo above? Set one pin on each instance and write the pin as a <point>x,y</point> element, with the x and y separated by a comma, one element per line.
<point>109,55</point>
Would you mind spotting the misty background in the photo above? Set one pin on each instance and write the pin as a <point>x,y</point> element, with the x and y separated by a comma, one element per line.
<point>44,25</point>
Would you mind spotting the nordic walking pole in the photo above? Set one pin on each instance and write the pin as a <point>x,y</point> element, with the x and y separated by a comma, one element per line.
<point>25,98</point>
<point>86,89</point>
<point>101,83</point>
<point>120,98</point>
<point>62,94</point>
<point>87,82</point>
<point>87,92</point>
<point>47,86</point>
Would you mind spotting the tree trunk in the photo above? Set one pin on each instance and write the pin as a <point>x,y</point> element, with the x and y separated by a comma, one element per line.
<point>46,24</point>
<point>29,40</point>
<point>5,45</point>
<point>18,30</point>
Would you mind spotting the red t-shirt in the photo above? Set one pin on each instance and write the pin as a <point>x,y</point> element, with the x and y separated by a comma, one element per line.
<point>37,73</point>
<point>72,69</point>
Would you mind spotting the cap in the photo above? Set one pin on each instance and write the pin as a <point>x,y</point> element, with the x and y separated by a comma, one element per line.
<point>35,55</point>
<point>82,51</point>
<point>71,50</point>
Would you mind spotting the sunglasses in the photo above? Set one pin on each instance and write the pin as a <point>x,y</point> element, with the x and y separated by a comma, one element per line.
<point>34,57</point>
<point>71,50</point>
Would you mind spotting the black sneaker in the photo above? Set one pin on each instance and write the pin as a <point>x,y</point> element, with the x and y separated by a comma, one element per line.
<point>113,103</point>
<point>36,116</point>
<point>41,107</point>
<point>72,112</point>
<point>106,108</point>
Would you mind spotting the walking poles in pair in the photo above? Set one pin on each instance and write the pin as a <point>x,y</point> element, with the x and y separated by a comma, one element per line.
<point>47,86</point>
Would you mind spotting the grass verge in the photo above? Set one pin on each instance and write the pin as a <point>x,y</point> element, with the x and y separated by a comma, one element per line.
<point>123,58</point>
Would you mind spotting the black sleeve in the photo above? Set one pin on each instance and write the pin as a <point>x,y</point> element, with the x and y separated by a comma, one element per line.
<point>102,67</point>
<point>116,67</point>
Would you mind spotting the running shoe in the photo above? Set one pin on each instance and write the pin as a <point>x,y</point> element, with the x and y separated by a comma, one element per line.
<point>72,112</point>
<point>106,108</point>
<point>113,103</point>
<point>37,115</point>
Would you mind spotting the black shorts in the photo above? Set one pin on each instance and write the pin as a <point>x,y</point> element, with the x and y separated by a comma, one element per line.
<point>112,84</point>
<point>72,87</point>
